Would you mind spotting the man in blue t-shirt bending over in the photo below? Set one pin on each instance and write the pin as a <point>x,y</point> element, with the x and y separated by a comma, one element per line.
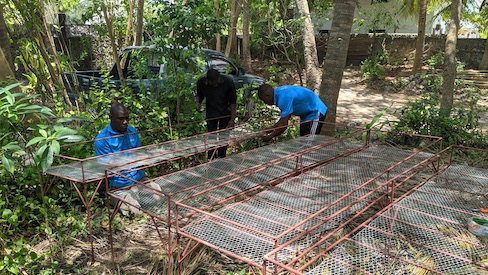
<point>119,136</point>
<point>293,100</point>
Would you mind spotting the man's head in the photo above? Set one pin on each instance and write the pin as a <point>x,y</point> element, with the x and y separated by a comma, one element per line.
<point>266,94</point>
<point>213,77</point>
<point>119,117</point>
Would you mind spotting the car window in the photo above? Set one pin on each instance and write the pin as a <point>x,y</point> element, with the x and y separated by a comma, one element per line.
<point>221,65</point>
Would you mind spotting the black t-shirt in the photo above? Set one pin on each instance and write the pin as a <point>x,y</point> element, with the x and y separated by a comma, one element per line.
<point>217,99</point>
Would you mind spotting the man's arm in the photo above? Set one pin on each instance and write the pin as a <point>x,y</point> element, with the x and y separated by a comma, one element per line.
<point>200,96</point>
<point>278,128</point>
<point>102,147</point>
<point>233,103</point>
<point>233,114</point>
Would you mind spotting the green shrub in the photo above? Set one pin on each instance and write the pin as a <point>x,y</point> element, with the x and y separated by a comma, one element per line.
<point>423,116</point>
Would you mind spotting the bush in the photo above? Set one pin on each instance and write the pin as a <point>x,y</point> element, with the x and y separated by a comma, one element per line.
<point>462,127</point>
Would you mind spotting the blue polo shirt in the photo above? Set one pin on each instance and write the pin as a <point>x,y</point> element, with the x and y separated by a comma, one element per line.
<point>106,145</point>
<point>299,101</point>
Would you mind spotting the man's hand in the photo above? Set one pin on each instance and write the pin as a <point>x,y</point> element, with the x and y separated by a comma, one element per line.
<point>199,107</point>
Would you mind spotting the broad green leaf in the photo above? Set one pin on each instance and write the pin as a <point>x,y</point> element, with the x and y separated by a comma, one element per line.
<point>43,133</point>
<point>41,152</point>
<point>34,141</point>
<point>58,128</point>
<point>12,146</point>
<point>55,146</point>
<point>47,159</point>
<point>13,269</point>
<point>69,119</point>
<point>8,164</point>
<point>71,138</point>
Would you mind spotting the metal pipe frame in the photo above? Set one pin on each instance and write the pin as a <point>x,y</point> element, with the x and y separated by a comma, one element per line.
<point>86,175</point>
<point>391,213</point>
<point>245,229</point>
<point>214,184</point>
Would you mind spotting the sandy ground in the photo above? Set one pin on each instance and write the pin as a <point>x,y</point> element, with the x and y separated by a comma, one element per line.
<point>358,104</point>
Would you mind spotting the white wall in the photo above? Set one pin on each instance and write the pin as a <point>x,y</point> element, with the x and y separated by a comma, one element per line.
<point>387,15</point>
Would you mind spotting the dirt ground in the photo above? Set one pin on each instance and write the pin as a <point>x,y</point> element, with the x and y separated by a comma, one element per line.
<point>137,247</point>
<point>359,102</point>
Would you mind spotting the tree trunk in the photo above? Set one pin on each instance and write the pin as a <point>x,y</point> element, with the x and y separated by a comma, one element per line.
<point>484,60</point>
<point>217,35</point>
<point>130,18</point>
<point>309,47</point>
<point>231,40</point>
<point>335,59</point>
<point>6,72</point>
<point>246,38</point>
<point>450,59</point>
<point>4,40</point>
<point>419,45</point>
<point>108,21</point>
<point>139,23</point>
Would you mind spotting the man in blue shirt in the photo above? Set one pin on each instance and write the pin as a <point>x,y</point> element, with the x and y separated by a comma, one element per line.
<point>119,136</point>
<point>293,100</point>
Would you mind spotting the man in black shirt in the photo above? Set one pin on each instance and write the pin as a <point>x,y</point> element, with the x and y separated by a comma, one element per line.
<point>220,97</point>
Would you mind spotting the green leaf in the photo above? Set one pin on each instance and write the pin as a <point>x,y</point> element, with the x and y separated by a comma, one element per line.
<point>8,164</point>
<point>6,213</point>
<point>13,219</point>
<point>12,146</point>
<point>69,119</point>
<point>47,160</point>
<point>71,138</point>
<point>55,146</point>
<point>40,153</point>
<point>34,141</point>
<point>10,99</point>
<point>13,269</point>
<point>10,87</point>
<point>377,117</point>
<point>43,133</point>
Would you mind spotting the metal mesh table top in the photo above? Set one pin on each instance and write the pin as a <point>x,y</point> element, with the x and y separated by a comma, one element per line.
<point>301,208</point>
<point>94,168</point>
<point>208,184</point>
<point>425,233</point>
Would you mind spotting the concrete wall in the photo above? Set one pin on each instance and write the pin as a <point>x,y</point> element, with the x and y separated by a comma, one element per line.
<point>401,48</point>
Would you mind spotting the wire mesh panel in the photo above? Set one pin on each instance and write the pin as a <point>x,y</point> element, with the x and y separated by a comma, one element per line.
<point>425,233</point>
<point>94,168</point>
<point>295,213</point>
<point>207,185</point>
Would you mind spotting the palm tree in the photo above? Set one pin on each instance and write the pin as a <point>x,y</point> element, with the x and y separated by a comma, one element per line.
<point>417,8</point>
<point>450,58</point>
<point>309,47</point>
<point>335,59</point>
